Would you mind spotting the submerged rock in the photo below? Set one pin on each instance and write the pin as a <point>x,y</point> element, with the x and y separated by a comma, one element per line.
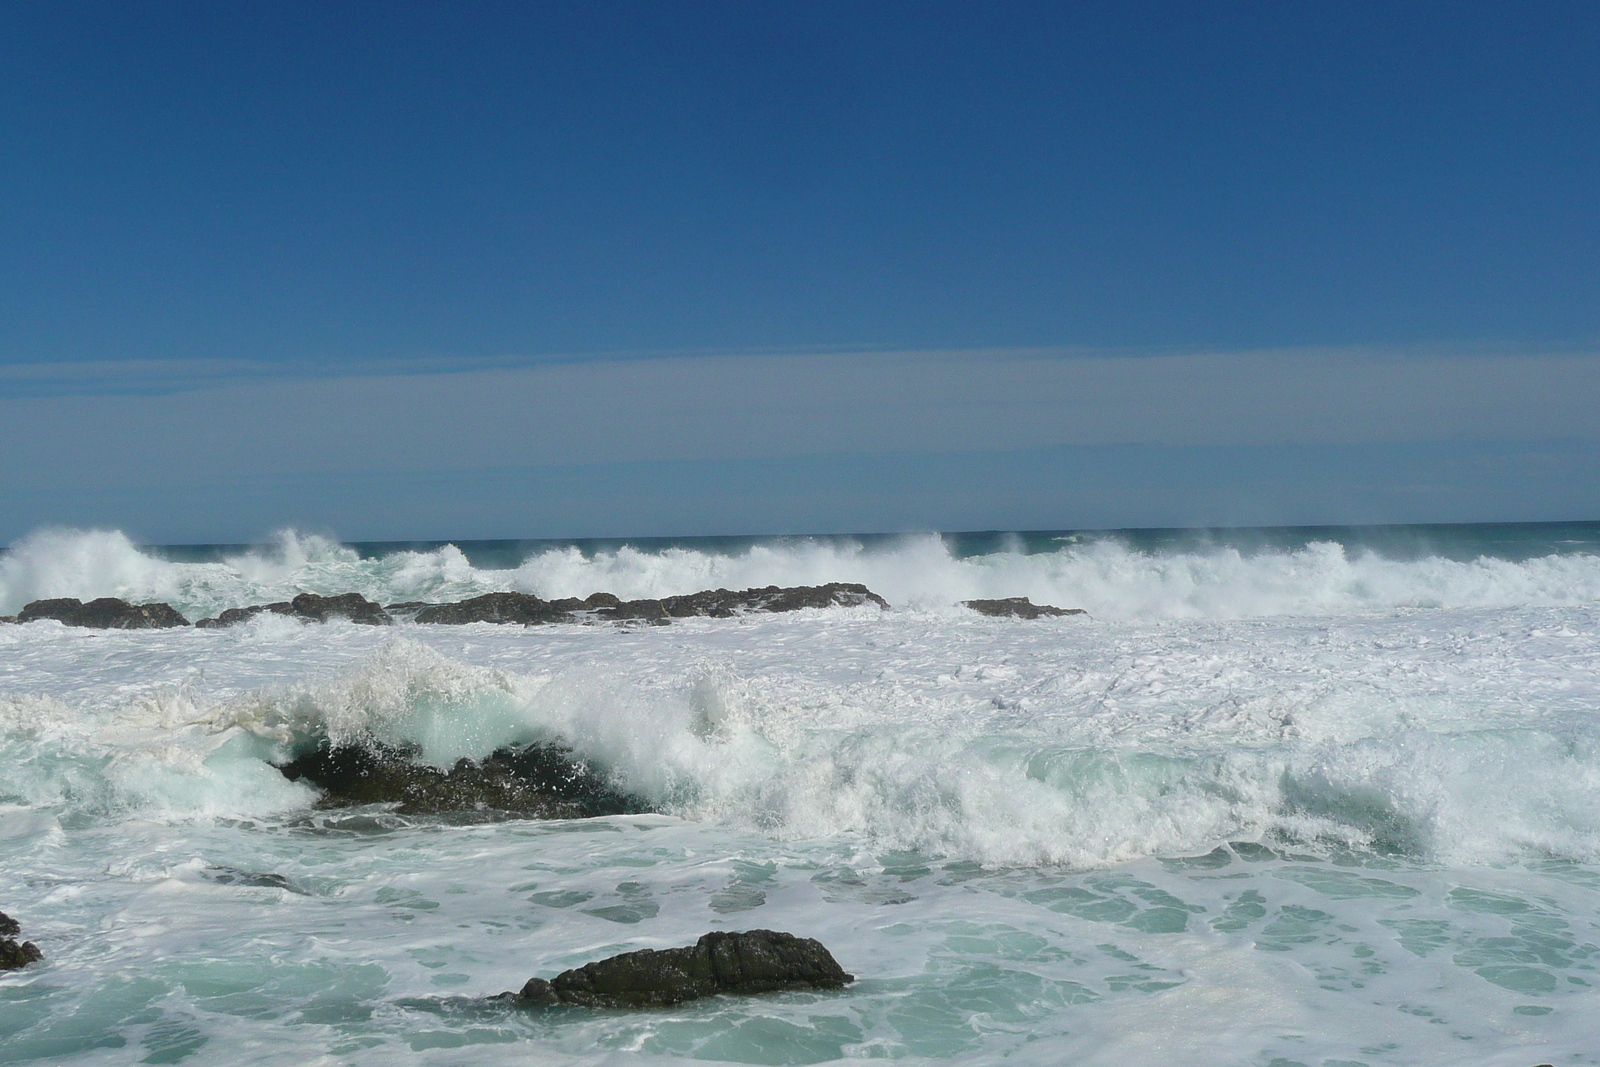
<point>756,961</point>
<point>540,781</point>
<point>13,955</point>
<point>1018,607</point>
<point>308,606</point>
<point>106,613</point>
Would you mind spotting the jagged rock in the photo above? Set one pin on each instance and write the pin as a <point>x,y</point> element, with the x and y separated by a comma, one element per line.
<point>15,956</point>
<point>106,613</point>
<point>756,961</point>
<point>7,618</point>
<point>309,606</point>
<point>540,781</point>
<point>1018,607</point>
<point>522,608</point>
<point>352,606</point>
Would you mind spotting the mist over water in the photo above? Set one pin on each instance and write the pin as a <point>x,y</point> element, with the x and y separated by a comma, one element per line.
<point>1315,797</point>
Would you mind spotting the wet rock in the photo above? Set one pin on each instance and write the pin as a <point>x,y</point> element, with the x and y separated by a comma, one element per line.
<point>106,613</point>
<point>308,606</point>
<point>14,955</point>
<point>723,603</point>
<point>756,961</point>
<point>540,781</point>
<point>605,607</point>
<point>1018,607</point>
<point>234,616</point>
<point>352,606</point>
<point>496,607</point>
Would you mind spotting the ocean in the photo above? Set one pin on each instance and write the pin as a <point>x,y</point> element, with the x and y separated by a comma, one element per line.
<point>1323,797</point>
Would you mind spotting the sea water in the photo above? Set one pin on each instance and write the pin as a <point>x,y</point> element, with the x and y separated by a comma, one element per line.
<point>1316,797</point>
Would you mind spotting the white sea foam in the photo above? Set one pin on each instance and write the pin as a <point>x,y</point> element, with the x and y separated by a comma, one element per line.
<point>1029,756</point>
<point>1359,834</point>
<point>1106,577</point>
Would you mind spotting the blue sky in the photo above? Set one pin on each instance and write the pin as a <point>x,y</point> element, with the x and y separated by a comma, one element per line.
<point>429,270</point>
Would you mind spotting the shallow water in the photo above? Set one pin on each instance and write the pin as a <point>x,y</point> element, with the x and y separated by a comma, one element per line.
<point>1300,806</point>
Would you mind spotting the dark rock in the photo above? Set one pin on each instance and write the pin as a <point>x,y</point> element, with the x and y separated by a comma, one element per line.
<point>234,616</point>
<point>1018,607</point>
<point>540,781</point>
<point>15,956</point>
<point>496,607</point>
<point>723,603</point>
<point>106,613</point>
<point>7,618</point>
<point>604,607</point>
<point>757,961</point>
<point>352,606</point>
<point>308,606</point>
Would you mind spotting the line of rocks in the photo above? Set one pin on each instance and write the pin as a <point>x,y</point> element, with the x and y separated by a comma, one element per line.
<point>111,613</point>
<point>15,955</point>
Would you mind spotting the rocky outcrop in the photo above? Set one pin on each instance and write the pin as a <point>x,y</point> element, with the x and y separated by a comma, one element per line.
<point>308,606</point>
<point>530,610</point>
<point>500,607</point>
<point>541,781</point>
<point>15,955</point>
<point>1018,607</point>
<point>756,961</point>
<point>722,604</point>
<point>106,613</point>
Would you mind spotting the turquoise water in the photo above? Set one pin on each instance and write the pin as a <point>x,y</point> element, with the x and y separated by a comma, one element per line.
<point>1284,797</point>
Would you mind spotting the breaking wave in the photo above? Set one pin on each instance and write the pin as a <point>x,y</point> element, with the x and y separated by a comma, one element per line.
<point>1107,577</point>
<point>707,747</point>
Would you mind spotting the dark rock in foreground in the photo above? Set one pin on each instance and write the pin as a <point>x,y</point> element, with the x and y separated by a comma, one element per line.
<point>106,613</point>
<point>527,609</point>
<point>757,961</point>
<point>541,781</point>
<point>14,956</point>
<point>308,606</point>
<point>1018,607</point>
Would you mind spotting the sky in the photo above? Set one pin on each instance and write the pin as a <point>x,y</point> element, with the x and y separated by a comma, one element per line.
<point>426,270</point>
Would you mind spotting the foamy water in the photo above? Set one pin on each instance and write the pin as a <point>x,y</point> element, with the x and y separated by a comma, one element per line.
<point>1315,806</point>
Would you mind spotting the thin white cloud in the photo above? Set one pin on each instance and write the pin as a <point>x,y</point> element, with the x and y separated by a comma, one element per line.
<point>730,406</point>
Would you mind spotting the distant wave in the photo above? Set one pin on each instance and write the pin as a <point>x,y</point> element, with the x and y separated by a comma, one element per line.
<point>1108,578</point>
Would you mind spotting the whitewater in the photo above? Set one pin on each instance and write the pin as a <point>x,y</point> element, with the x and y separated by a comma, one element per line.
<point>1316,798</point>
